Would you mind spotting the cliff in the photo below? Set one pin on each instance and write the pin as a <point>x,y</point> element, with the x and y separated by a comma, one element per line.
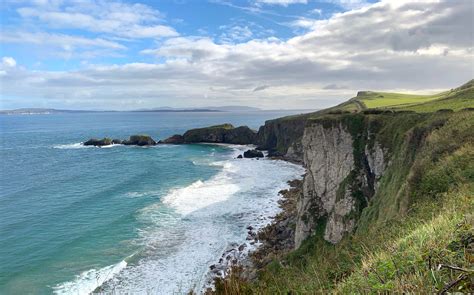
<point>386,203</point>
<point>347,157</point>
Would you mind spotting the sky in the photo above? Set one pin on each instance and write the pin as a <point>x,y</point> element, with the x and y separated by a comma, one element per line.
<point>272,54</point>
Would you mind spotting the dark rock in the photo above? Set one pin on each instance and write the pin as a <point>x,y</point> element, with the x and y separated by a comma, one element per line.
<point>225,133</point>
<point>140,140</point>
<point>175,139</point>
<point>239,157</point>
<point>98,142</point>
<point>116,141</point>
<point>250,227</point>
<point>242,247</point>
<point>253,154</point>
<point>283,135</point>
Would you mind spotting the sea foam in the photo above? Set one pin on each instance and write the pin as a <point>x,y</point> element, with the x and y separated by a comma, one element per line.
<point>188,230</point>
<point>88,281</point>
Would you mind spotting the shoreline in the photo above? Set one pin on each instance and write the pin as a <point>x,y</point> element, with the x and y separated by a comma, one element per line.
<point>238,251</point>
<point>263,240</point>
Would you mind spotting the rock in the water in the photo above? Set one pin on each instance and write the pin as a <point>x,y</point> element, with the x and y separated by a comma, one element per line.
<point>225,133</point>
<point>239,157</point>
<point>116,141</point>
<point>253,154</point>
<point>175,139</point>
<point>140,140</point>
<point>98,142</point>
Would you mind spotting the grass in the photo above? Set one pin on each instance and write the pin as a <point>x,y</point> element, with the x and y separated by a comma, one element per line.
<point>454,99</point>
<point>417,233</point>
<point>385,99</point>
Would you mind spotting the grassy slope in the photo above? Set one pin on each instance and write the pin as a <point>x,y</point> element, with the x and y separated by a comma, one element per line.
<point>455,99</point>
<point>421,217</point>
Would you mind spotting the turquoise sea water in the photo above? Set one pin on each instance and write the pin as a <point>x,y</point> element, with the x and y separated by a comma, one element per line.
<point>148,220</point>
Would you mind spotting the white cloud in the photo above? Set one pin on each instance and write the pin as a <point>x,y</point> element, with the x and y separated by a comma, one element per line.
<point>67,42</point>
<point>236,34</point>
<point>8,62</point>
<point>282,2</point>
<point>349,4</point>
<point>316,11</point>
<point>384,46</point>
<point>115,18</point>
<point>303,22</point>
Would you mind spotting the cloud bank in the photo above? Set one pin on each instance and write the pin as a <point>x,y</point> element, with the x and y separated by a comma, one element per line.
<point>390,45</point>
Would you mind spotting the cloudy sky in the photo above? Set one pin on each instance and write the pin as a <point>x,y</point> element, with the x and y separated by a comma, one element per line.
<point>95,54</point>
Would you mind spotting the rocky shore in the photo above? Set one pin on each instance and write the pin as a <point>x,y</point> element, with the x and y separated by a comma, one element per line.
<point>262,244</point>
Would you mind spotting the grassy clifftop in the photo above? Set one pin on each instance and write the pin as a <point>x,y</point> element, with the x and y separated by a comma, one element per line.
<point>417,232</point>
<point>454,99</point>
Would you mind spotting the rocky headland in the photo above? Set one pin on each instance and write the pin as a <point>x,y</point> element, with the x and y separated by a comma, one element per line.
<point>224,133</point>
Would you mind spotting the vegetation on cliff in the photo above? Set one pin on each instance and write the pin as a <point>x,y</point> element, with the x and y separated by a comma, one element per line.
<point>414,232</point>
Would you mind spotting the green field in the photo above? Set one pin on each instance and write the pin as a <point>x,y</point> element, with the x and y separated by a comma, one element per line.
<point>454,99</point>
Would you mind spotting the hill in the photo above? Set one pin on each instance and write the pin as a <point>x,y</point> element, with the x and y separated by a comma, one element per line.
<point>386,203</point>
<point>454,99</point>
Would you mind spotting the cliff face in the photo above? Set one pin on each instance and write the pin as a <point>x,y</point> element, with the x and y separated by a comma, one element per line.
<point>282,137</point>
<point>345,162</point>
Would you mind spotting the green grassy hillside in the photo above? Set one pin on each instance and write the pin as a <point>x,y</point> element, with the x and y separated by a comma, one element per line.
<point>455,99</point>
<point>417,233</point>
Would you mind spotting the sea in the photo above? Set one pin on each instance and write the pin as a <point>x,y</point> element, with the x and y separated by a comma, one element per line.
<point>126,219</point>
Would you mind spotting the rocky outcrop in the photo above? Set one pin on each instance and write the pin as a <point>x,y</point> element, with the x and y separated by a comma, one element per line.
<point>344,165</point>
<point>225,133</point>
<point>175,139</point>
<point>282,137</point>
<point>98,142</point>
<point>140,140</point>
<point>253,154</point>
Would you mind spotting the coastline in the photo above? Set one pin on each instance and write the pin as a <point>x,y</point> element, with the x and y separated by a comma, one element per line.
<point>264,240</point>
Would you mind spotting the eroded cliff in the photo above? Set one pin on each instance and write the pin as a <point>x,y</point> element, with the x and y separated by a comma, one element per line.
<point>344,164</point>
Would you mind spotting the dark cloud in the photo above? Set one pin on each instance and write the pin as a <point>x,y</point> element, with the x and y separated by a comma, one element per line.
<point>260,88</point>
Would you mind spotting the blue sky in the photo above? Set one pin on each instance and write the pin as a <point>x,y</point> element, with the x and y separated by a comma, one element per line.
<point>223,21</point>
<point>95,54</point>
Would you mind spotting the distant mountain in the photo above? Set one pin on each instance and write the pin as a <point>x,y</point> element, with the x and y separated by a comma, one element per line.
<point>176,110</point>
<point>203,109</point>
<point>45,111</point>
<point>235,109</point>
<point>39,111</point>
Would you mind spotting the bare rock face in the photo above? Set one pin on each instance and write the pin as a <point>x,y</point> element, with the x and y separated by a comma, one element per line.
<point>329,159</point>
<point>282,137</point>
<point>343,171</point>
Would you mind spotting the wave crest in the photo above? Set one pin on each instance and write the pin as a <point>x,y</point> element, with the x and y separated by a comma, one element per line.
<point>88,281</point>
